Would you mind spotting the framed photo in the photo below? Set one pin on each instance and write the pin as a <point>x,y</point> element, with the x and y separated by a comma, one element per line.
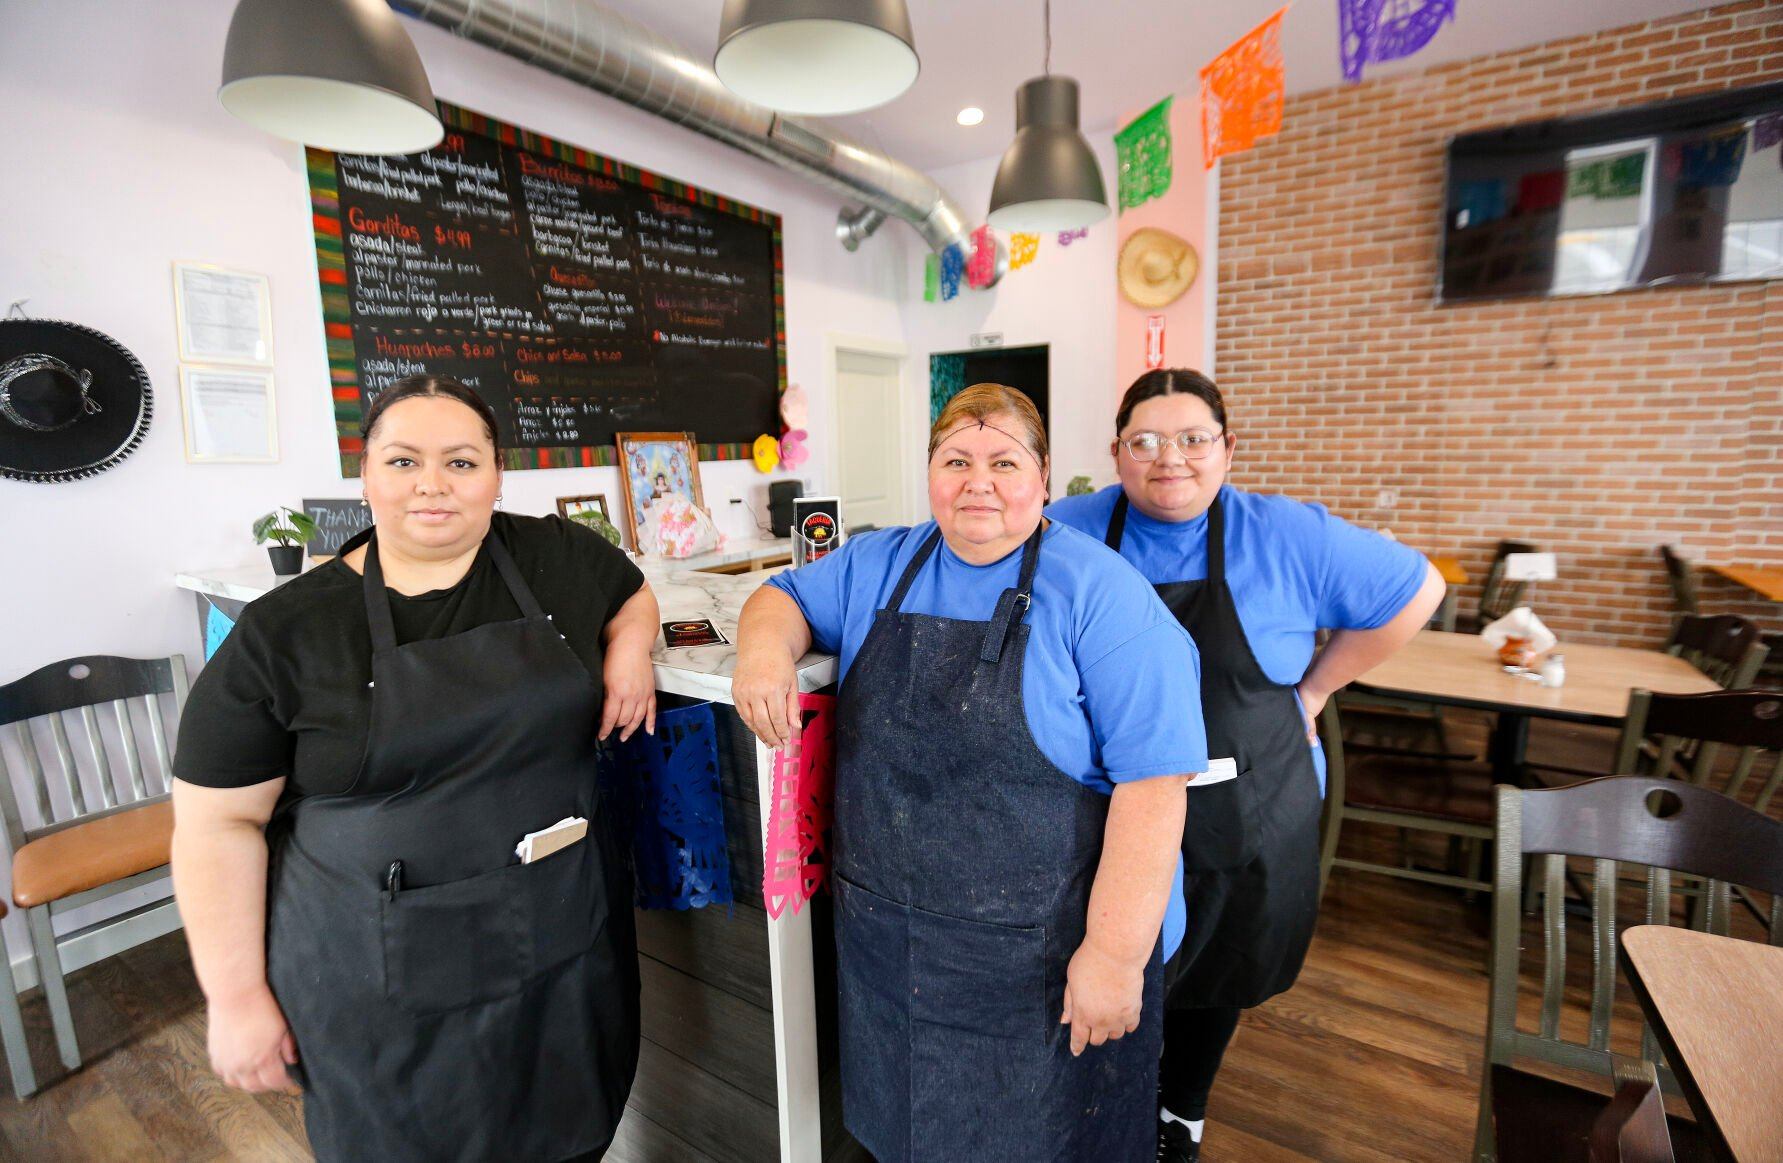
<point>229,415</point>
<point>223,316</point>
<point>652,466</point>
<point>587,508</point>
<point>568,507</point>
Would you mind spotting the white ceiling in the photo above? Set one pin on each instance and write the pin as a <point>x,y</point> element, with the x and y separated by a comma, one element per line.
<point>1127,54</point>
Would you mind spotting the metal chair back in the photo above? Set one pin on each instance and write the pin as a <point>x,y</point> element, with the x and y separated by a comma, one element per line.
<point>1726,647</point>
<point>1686,734</point>
<point>77,727</point>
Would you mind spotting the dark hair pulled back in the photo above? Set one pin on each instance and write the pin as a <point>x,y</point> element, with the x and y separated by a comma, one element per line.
<point>1165,381</point>
<point>409,387</point>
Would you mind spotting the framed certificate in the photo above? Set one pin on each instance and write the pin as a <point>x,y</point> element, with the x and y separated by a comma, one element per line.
<point>223,316</point>
<point>229,415</point>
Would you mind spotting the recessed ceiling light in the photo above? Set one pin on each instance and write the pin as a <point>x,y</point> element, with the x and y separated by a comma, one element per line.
<point>970,115</point>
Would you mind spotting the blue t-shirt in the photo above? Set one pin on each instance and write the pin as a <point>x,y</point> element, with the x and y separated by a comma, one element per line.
<point>1103,652</point>
<point>1292,567</point>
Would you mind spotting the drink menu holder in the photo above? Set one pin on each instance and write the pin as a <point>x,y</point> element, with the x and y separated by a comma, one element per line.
<point>804,549</point>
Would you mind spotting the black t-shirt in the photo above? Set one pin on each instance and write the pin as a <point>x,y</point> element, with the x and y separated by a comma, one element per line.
<point>286,695</point>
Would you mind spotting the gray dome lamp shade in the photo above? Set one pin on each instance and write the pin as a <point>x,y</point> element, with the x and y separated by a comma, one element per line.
<point>816,56</point>
<point>1048,179</point>
<point>340,75</point>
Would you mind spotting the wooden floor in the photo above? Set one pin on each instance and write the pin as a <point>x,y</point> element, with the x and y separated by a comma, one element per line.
<point>1374,1055</point>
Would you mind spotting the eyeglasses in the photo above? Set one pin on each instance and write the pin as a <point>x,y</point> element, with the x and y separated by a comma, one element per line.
<point>1194,444</point>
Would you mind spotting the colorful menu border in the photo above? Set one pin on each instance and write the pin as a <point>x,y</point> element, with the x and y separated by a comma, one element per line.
<point>337,324</point>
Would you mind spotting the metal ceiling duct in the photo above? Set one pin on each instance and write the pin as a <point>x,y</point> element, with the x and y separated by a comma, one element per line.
<point>618,56</point>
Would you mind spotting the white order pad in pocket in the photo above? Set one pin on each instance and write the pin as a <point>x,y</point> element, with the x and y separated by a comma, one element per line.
<point>540,844</point>
<point>1218,771</point>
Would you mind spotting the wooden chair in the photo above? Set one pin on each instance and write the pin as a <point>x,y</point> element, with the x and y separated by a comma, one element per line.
<point>1682,579</point>
<point>94,835</point>
<point>1399,726</point>
<point>12,1027</point>
<point>1771,673</point>
<point>1682,735</point>
<point>1499,597</point>
<point>1724,647</point>
<point>1411,793</point>
<point>1666,826</point>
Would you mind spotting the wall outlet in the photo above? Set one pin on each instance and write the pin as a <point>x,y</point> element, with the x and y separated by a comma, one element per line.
<point>1387,499</point>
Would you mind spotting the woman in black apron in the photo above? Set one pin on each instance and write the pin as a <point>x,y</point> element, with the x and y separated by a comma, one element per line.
<point>998,890</point>
<point>1252,578</point>
<point>397,721</point>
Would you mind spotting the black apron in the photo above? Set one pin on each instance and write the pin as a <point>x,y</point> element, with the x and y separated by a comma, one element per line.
<point>964,860</point>
<point>1250,845</point>
<point>448,1002</point>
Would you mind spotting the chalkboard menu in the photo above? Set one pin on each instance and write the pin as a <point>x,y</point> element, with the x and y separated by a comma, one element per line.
<point>578,295</point>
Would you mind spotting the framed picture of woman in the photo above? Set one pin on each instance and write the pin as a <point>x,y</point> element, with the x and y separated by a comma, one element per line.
<point>654,467</point>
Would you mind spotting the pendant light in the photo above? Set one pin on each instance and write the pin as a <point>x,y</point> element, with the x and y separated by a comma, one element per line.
<point>816,56</point>
<point>341,75</point>
<point>1048,179</point>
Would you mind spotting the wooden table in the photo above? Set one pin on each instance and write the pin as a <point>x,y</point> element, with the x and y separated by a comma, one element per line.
<point>1462,670</point>
<point>1716,1005</point>
<point>1766,583</point>
<point>1451,570</point>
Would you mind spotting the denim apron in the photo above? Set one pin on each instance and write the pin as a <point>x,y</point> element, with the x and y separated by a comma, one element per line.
<point>964,860</point>
<point>448,1002</point>
<point>1250,845</point>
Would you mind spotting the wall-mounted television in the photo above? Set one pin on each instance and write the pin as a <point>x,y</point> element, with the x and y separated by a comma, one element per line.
<point>1688,191</point>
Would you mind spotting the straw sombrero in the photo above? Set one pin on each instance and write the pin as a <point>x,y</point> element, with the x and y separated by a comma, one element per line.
<point>73,401</point>
<point>1156,267</point>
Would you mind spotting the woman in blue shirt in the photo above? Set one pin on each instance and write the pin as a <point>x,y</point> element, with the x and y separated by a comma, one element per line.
<point>1253,578</point>
<point>1008,807</point>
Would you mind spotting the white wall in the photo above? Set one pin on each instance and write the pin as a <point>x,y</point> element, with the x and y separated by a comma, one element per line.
<point>120,161</point>
<point>1065,298</point>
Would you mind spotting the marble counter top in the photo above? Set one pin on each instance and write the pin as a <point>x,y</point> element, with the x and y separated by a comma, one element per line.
<point>682,591</point>
<point>705,671</point>
<point>734,552</point>
<point>243,583</point>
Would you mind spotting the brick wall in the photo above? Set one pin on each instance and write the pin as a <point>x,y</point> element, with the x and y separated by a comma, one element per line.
<point>1597,427</point>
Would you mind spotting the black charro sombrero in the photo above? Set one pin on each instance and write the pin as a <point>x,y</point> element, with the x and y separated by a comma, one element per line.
<point>73,401</point>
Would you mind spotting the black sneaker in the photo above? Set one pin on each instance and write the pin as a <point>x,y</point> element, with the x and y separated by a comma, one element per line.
<point>1175,1144</point>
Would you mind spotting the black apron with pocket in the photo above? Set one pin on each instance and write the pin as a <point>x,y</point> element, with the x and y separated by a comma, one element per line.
<point>964,861</point>
<point>1250,845</point>
<point>448,1002</point>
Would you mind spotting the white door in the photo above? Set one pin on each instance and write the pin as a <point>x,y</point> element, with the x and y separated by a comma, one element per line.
<point>870,452</point>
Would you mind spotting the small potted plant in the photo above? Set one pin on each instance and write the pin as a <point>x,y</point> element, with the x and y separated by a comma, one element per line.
<point>1079,486</point>
<point>292,531</point>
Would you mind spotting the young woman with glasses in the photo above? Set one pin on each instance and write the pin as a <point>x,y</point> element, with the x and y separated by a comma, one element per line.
<point>1252,578</point>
